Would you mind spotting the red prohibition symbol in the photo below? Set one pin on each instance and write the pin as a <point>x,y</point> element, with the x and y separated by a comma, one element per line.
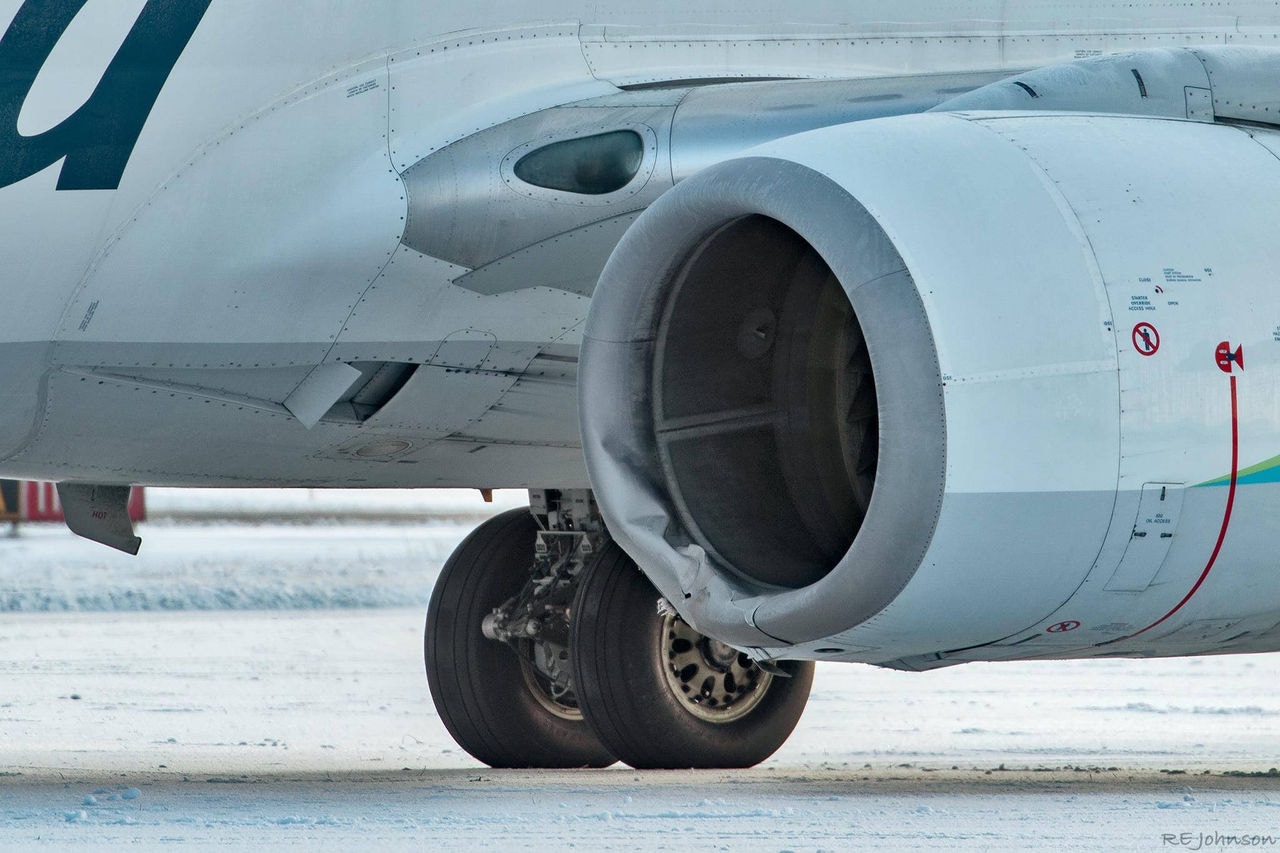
<point>1063,627</point>
<point>1146,340</point>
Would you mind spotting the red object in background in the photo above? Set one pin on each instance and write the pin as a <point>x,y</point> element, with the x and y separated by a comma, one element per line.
<point>39,502</point>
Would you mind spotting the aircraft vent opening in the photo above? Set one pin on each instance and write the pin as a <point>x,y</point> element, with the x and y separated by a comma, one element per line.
<point>379,382</point>
<point>589,165</point>
<point>765,405</point>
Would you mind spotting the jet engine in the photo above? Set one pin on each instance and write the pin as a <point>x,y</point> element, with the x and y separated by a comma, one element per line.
<point>898,388</point>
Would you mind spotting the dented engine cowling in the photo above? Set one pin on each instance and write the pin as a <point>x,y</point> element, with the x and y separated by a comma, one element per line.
<point>892,390</point>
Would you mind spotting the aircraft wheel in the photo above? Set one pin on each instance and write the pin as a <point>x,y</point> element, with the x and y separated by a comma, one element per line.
<point>495,703</point>
<point>659,694</point>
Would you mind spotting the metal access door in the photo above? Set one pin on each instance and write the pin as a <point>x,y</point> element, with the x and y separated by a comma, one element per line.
<point>1153,532</point>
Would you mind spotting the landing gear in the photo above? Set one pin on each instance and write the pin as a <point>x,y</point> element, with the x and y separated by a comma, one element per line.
<point>508,701</point>
<point>659,694</point>
<point>547,647</point>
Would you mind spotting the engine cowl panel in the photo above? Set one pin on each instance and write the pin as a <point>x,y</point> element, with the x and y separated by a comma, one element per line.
<point>891,390</point>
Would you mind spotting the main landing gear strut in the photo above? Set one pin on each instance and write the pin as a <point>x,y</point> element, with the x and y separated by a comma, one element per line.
<point>547,647</point>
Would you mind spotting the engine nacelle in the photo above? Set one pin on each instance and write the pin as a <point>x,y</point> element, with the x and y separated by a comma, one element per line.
<point>898,388</point>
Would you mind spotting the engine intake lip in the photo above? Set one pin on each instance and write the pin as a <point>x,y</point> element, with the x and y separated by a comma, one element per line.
<point>617,406</point>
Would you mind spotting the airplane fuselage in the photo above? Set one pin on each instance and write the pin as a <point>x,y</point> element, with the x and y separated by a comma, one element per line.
<point>253,244</point>
<point>206,206</point>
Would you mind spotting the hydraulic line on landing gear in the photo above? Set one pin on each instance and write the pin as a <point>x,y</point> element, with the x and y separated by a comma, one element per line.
<point>535,622</point>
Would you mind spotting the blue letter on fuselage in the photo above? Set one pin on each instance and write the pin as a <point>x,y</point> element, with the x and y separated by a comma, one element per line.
<point>98,138</point>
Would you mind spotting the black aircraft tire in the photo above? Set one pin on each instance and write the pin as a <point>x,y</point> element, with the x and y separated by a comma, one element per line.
<point>479,685</point>
<point>621,646</point>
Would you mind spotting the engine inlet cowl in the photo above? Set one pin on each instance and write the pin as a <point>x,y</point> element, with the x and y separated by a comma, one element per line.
<point>762,403</point>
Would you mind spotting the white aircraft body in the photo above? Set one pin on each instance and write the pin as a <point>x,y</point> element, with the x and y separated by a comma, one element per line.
<point>908,334</point>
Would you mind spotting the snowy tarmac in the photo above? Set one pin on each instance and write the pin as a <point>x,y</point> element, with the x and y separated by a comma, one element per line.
<point>286,715</point>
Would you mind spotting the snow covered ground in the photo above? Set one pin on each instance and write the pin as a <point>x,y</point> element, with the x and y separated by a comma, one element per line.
<point>260,686</point>
<point>289,549</point>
